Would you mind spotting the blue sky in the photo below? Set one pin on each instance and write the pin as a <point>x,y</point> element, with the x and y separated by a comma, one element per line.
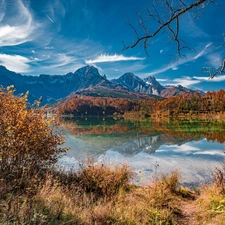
<point>60,36</point>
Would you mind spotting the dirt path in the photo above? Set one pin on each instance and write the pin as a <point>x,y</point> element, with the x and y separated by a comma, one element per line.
<point>189,211</point>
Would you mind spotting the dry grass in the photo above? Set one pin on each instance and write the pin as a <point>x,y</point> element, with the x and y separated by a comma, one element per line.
<point>95,195</point>
<point>212,200</point>
<point>98,194</point>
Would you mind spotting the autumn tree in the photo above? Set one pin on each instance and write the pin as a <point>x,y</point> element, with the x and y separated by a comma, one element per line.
<point>28,143</point>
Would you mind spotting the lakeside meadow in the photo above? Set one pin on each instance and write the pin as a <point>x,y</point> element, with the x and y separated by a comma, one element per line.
<point>32,191</point>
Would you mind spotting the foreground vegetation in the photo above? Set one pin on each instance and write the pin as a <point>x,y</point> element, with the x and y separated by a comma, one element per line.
<point>101,195</point>
<point>32,191</point>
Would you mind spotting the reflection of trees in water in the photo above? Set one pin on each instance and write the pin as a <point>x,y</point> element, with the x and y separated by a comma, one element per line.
<point>185,130</point>
<point>130,138</point>
<point>194,130</point>
<point>97,126</point>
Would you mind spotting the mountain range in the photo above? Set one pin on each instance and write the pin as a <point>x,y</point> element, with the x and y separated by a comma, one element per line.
<point>86,81</point>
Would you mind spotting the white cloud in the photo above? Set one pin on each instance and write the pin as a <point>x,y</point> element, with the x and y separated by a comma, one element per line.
<point>111,58</point>
<point>57,63</point>
<point>19,29</point>
<point>187,148</point>
<point>211,152</point>
<point>190,27</point>
<point>215,59</point>
<point>217,78</point>
<point>48,47</point>
<point>2,10</point>
<point>162,80</point>
<point>15,63</point>
<point>98,67</point>
<point>203,51</point>
<point>185,81</point>
<point>63,59</point>
<point>181,61</point>
<point>190,81</point>
<point>175,68</point>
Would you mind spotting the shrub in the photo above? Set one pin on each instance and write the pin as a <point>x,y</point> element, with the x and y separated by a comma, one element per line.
<point>28,142</point>
<point>99,179</point>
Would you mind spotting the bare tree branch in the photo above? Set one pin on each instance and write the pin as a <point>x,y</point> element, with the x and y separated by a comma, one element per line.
<point>174,13</point>
<point>164,15</point>
<point>218,71</point>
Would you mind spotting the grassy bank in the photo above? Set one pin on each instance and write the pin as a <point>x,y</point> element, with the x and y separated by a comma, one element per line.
<point>100,195</point>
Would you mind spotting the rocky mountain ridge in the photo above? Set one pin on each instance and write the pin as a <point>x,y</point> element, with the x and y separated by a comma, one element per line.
<point>150,85</point>
<point>54,87</point>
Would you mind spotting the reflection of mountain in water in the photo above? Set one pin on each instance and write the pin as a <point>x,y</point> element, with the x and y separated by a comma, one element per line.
<point>80,148</point>
<point>95,136</point>
<point>119,141</point>
<point>148,144</point>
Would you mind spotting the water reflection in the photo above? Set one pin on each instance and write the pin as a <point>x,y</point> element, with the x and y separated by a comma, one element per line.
<point>193,147</point>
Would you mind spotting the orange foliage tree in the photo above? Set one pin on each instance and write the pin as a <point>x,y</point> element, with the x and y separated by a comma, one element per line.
<point>27,141</point>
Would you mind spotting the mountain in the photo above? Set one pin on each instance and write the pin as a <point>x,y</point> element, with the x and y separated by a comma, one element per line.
<point>170,90</point>
<point>86,81</point>
<point>134,83</point>
<point>54,87</point>
<point>156,86</point>
<point>150,85</point>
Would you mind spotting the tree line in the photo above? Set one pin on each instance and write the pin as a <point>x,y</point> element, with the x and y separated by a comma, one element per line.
<point>211,102</point>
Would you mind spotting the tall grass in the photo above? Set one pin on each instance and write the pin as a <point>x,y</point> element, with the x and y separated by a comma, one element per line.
<point>212,199</point>
<point>94,195</point>
<point>98,194</point>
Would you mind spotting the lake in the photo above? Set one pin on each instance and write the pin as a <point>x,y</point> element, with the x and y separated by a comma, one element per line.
<point>150,147</point>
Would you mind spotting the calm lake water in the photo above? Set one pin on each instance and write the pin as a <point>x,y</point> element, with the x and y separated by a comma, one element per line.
<point>194,148</point>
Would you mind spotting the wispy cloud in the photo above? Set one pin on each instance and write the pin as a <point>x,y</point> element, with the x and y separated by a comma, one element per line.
<point>16,63</point>
<point>57,63</point>
<point>185,81</point>
<point>119,68</point>
<point>181,61</point>
<point>19,29</point>
<point>217,78</point>
<point>215,59</point>
<point>162,80</point>
<point>189,82</point>
<point>55,12</point>
<point>111,58</point>
<point>203,51</point>
<point>190,28</point>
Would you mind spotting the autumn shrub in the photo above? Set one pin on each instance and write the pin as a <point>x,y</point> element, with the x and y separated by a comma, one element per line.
<point>99,179</point>
<point>28,142</point>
